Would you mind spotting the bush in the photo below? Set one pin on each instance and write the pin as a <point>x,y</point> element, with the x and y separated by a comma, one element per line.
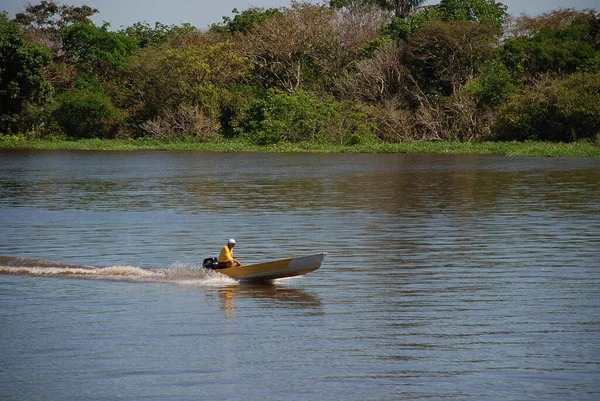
<point>186,122</point>
<point>300,117</point>
<point>494,85</point>
<point>561,110</point>
<point>464,119</point>
<point>235,106</point>
<point>84,114</point>
<point>394,124</point>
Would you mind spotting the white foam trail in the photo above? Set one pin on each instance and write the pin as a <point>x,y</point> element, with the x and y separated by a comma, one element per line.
<point>106,272</point>
<point>189,274</point>
<point>47,271</point>
<point>179,273</point>
<point>125,271</point>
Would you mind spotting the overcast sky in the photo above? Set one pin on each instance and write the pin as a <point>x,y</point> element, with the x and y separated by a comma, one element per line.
<point>203,13</point>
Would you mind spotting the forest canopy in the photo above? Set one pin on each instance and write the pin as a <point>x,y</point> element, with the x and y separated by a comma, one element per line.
<point>344,72</point>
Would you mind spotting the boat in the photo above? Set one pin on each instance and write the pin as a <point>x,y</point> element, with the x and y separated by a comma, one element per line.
<point>278,269</point>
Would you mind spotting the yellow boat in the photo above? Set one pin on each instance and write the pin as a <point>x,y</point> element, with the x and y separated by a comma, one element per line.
<point>278,269</point>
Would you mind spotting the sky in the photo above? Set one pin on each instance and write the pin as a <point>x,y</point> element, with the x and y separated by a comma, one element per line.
<point>203,13</point>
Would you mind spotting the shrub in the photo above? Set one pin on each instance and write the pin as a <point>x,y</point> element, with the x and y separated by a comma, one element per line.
<point>235,106</point>
<point>494,85</point>
<point>394,124</point>
<point>464,119</point>
<point>84,114</point>
<point>186,122</point>
<point>301,117</point>
<point>564,109</point>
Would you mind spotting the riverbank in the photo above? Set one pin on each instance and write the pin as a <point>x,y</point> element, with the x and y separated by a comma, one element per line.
<point>530,148</point>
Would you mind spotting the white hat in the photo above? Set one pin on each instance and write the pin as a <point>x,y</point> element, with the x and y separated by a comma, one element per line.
<point>231,241</point>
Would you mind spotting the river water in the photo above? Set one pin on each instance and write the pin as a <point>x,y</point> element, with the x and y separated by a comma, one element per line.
<point>447,277</point>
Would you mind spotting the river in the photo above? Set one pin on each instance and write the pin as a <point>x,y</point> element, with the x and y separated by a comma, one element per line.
<point>447,277</point>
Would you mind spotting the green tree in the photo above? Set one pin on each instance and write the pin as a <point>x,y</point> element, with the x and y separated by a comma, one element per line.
<point>44,24</point>
<point>236,103</point>
<point>96,49</point>
<point>402,28</point>
<point>21,73</point>
<point>485,11</point>
<point>349,4</point>
<point>401,8</point>
<point>563,109</point>
<point>555,51</point>
<point>177,90</point>
<point>145,36</point>
<point>445,55</point>
<point>245,21</point>
<point>84,114</point>
<point>166,78</point>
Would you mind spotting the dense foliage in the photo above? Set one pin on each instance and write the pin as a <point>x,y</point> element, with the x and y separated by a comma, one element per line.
<point>351,72</point>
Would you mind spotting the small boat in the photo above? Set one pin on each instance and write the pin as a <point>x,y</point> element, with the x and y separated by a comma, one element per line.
<point>278,269</point>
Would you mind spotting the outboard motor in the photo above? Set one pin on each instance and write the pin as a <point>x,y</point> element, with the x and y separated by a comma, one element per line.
<point>210,263</point>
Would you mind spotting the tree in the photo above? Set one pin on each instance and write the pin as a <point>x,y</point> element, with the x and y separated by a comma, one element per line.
<point>284,47</point>
<point>85,114</point>
<point>444,55</point>
<point>400,8</point>
<point>176,90</point>
<point>357,27</point>
<point>166,78</point>
<point>555,51</point>
<point>482,11</point>
<point>21,72</point>
<point>377,79</point>
<point>245,21</point>
<point>145,36</point>
<point>403,28</point>
<point>97,50</point>
<point>52,15</point>
<point>43,22</point>
<point>485,11</point>
<point>563,109</point>
<point>555,20</point>
<point>354,31</point>
<point>304,47</point>
<point>349,4</point>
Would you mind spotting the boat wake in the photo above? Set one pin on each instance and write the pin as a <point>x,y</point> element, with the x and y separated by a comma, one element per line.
<point>180,273</point>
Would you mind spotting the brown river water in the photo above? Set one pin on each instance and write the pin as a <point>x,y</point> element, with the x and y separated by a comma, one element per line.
<point>447,277</point>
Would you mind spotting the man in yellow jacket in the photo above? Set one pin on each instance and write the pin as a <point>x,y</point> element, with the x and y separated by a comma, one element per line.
<point>226,256</point>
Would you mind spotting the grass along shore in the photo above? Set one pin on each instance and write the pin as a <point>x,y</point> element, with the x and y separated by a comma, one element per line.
<point>530,148</point>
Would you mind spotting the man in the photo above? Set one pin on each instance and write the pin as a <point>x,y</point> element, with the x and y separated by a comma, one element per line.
<point>226,259</point>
